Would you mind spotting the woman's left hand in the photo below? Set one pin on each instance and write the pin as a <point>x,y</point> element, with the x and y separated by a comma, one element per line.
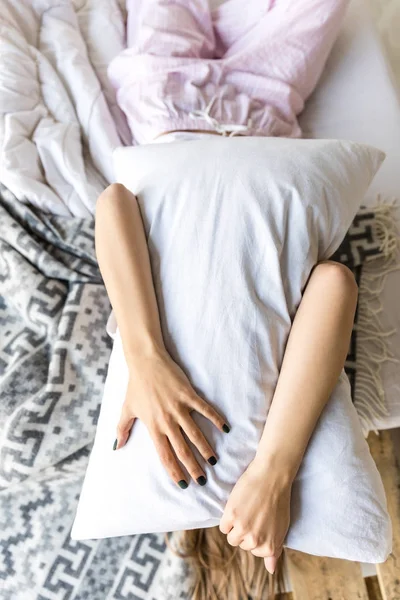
<point>257,514</point>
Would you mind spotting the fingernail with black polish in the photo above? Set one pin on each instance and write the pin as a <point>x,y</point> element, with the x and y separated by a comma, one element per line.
<point>212,460</point>
<point>115,445</point>
<point>201,480</point>
<point>226,428</point>
<point>182,484</point>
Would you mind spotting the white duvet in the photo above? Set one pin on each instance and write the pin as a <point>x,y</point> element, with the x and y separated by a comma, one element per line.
<point>59,121</point>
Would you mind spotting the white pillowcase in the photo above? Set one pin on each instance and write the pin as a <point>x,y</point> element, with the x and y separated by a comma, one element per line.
<point>234,227</point>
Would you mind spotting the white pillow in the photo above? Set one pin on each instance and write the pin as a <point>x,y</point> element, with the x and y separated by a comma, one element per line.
<point>234,227</point>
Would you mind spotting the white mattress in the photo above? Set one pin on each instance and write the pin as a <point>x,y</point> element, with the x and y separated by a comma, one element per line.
<point>357,99</point>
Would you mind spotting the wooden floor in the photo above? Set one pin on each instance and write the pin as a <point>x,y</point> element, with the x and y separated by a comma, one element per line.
<point>372,585</point>
<point>316,578</point>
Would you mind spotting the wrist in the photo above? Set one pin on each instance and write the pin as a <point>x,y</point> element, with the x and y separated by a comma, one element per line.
<point>148,348</point>
<point>275,463</point>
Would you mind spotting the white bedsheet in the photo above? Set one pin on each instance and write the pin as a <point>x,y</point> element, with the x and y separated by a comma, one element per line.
<point>59,121</point>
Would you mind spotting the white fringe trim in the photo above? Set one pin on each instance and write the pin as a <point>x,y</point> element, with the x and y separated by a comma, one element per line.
<point>373,344</point>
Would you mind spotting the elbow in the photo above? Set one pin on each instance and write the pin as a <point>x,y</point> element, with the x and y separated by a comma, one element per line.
<point>116,208</point>
<point>339,276</point>
<point>110,195</point>
<point>108,209</point>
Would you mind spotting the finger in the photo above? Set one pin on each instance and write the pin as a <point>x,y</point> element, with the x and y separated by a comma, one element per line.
<point>226,524</point>
<point>124,427</point>
<point>168,460</point>
<point>234,537</point>
<point>202,407</point>
<point>270,563</point>
<point>248,543</point>
<point>185,455</point>
<point>264,551</point>
<point>197,438</point>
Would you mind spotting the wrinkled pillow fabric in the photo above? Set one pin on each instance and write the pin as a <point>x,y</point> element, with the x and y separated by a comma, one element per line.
<point>234,227</point>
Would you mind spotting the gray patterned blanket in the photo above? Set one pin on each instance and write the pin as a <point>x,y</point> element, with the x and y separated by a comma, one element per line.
<point>54,353</point>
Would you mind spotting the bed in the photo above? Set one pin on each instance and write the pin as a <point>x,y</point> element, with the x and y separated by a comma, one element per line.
<point>59,124</point>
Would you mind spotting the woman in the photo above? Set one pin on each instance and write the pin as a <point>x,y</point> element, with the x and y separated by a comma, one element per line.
<point>191,72</point>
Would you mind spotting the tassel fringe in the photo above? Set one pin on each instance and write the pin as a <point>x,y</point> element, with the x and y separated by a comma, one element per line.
<point>373,338</point>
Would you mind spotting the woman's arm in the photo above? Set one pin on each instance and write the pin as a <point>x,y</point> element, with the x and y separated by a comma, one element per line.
<point>124,263</point>
<point>257,514</point>
<point>159,393</point>
<point>314,357</point>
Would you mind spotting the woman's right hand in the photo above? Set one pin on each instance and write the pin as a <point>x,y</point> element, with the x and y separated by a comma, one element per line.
<point>160,395</point>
